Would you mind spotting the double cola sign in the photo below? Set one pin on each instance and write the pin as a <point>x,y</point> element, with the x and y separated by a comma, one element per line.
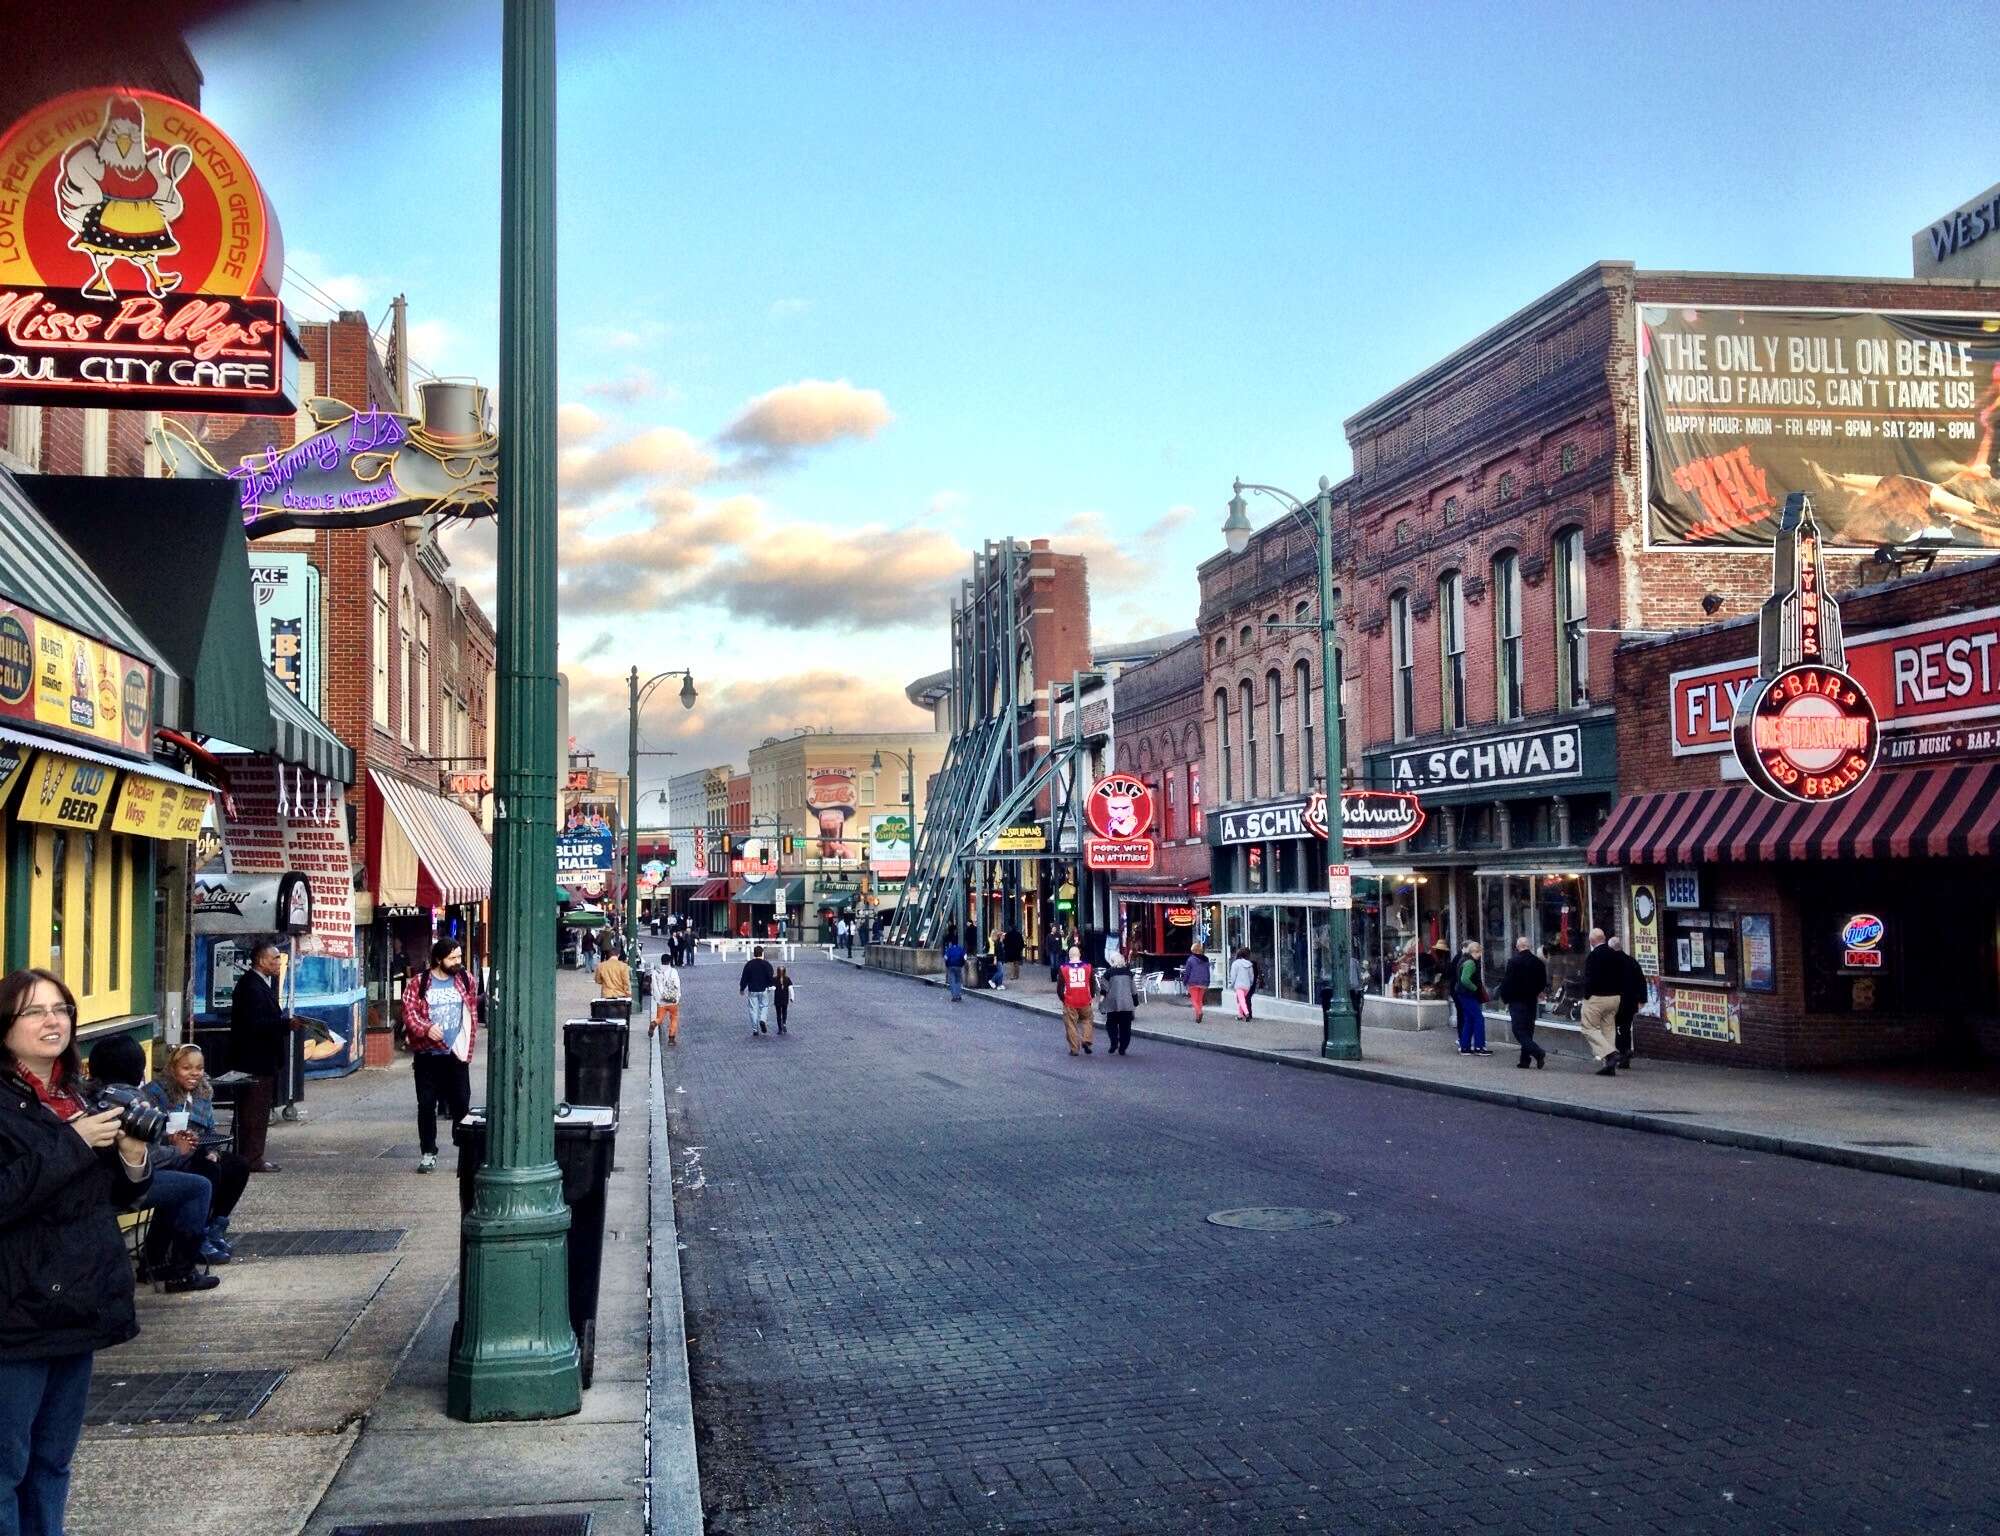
<point>1368,817</point>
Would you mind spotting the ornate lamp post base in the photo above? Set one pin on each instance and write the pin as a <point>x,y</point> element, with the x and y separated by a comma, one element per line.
<point>513,1354</point>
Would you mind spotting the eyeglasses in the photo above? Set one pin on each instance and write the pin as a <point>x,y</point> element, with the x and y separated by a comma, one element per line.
<point>45,1011</point>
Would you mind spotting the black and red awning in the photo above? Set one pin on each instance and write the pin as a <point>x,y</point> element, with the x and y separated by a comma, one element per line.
<point>1938,813</point>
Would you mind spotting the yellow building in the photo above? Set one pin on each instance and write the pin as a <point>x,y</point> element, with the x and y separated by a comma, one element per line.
<point>841,810</point>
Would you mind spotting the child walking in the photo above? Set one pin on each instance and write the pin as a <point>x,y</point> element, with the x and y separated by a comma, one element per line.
<point>781,990</point>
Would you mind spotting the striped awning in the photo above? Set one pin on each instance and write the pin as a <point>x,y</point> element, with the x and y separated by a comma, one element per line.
<point>452,862</point>
<point>1938,812</point>
<point>304,740</point>
<point>39,570</point>
<point>714,890</point>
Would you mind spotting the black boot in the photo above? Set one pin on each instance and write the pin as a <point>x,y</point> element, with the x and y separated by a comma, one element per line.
<point>154,1253</point>
<point>181,1273</point>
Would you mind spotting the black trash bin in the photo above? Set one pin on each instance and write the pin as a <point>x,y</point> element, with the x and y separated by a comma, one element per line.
<point>594,1053</point>
<point>614,1008</point>
<point>586,1141</point>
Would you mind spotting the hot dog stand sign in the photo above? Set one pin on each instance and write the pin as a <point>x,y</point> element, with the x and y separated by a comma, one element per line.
<point>1805,730</point>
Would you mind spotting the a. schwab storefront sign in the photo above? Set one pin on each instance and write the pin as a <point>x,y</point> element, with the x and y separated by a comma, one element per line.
<point>1935,685</point>
<point>1572,757</point>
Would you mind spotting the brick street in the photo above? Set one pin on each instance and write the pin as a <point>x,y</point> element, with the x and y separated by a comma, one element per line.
<point>941,1277</point>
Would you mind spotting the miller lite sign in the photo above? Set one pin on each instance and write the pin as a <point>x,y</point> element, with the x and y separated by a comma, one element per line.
<point>1804,729</point>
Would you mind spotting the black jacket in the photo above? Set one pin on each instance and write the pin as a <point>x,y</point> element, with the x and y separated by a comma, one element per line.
<point>1634,995</point>
<point>1012,946</point>
<point>758,976</point>
<point>1604,973</point>
<point>1525,978</point>
<point>258,1033</point>
<point>65,1278</point>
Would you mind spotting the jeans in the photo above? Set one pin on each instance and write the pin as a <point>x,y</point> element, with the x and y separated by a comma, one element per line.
<point>1522,1017</point>
<point>41,1419</point>
<point>1471,1022</point>
<point>954,979</point>
<point>1622,1030</point>
<point>227,1175</point>
<point>443,1081</point>
<point>182,1198</point>
<point>760,1010</point>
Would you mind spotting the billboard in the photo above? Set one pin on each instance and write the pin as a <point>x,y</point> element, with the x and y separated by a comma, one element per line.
<point>584,856</point>
<point>1885,419</point>
<point>286,587</point>
<point>889,846</point>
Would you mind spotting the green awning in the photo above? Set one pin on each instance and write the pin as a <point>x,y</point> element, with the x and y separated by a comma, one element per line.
<point>173,553</point>
<point>837,898</point>
<point>304,738</point>
<point>764,893</point>
<point>584,919</point>
<point>41,570</point>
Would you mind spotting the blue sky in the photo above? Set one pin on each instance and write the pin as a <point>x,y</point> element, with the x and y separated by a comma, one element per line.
<point>847,289</point>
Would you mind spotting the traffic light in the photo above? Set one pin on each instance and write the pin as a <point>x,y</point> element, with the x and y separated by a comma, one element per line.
<point>726,849</point>
<point>789,844</point>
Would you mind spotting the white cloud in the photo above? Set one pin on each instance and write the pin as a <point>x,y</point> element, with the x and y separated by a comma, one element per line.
<point>576,424</point>
<point>808,414</point>
<point>347,290</point>
<point>631,385</point>
<point>665,454</point>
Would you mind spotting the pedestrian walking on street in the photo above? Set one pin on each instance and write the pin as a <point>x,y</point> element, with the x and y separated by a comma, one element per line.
<point>1521,987</point>
<point>1053,951</point>
<point>1115,984</point>
<point>260,1042</point>
<point>587,951</point>
<point>614,976</point>
<point>1630,1000</point>
<point>1195,976</point>
<point>1603,989</point>
<point>1242,981</point>
<point>755,983</point>
<point>68,1175</point>
<point>441,1025</point>
<point>954,966</point>
<point>781,995</point>
<point>1074,987</point>
<point>1468,996</point>
<point>1014,947</point>
<point>667,996</point>
<point>997,951</point>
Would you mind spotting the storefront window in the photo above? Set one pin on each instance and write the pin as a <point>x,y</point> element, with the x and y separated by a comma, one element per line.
<point>89,841</point>
<point>1700,946</point>
<point>1263,941</point>
<point>58,867</point>
<point>1294,984</point>
<point>1555,909</point>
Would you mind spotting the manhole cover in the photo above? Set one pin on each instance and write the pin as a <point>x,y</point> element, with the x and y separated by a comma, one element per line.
<point>1275,1218</point>
<point>1888,1144</point>
<point>504,1525</point>
<point>324,1242</point>
<point>177,1397</point>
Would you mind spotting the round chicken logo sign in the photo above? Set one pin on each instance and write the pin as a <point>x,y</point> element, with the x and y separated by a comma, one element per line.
<point>138,261</point>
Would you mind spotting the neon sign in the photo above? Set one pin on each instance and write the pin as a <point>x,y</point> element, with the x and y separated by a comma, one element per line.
<point>134,244</point>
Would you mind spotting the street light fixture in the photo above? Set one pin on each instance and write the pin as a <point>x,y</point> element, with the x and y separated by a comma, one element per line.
<point>1341,1037</point>
<point>639,694</point>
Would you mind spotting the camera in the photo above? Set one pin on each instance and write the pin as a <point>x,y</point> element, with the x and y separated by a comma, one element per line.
<point>137,1119</point>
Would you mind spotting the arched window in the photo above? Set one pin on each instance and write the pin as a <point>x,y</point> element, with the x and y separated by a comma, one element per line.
<point>1249,695</point>
<point>1402,648</point>
<point>1274,703</point>
<point>1572,614</point>
<point>1245,638</point>
<point>1221,645</point>
<point>1303,613</point>
<point>1309,763</point>
<point>1222,745</point>
<point>1507,486</point>
<point>1507,633</point>
<point>1451,648</point>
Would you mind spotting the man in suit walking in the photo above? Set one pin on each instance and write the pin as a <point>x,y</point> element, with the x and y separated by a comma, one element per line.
<point>260,1043</point>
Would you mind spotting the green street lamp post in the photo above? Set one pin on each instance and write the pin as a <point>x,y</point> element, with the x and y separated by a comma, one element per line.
<point>1341,1038</point>
<point>514,1355</point>
<point>639,694</point>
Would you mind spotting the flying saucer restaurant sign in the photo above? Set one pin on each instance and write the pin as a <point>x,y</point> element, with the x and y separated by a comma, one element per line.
<point>138,262</point>
<point>1805,730</point>
<point>362,467</point>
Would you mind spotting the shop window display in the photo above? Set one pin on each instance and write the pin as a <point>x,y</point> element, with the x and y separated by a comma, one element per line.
<point>1556,909</point>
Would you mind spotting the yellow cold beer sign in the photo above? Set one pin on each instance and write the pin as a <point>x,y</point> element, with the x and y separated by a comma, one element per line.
<point>66,792</point>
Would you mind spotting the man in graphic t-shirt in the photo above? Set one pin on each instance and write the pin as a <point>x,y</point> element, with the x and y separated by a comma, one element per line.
<point>1073,982</point>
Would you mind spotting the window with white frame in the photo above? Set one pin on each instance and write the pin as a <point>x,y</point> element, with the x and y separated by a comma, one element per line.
<point>1451,647</point>
<point>1572,614</point>
<point>1274,704</point>
<point>1507,634</point>
<point>1222,745</point>
<point>1309,763</point>
<point>1402,648</point>
<point>96,441</point>
<point>406,655</point>
<point>379,638</point>
<point>423,710</point>
<point>1249,697</point>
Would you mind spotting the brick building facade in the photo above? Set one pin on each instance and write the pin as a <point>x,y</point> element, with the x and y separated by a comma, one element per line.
<point>1157,724</point>
<point>1770,889</point>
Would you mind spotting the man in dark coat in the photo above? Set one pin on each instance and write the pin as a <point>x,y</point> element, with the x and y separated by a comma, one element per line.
<point>1521,987</point>
<point>1630,1001</point>
<point>260,1041</point>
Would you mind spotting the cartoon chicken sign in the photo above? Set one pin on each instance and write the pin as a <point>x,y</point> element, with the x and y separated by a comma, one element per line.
<point>119,197</point>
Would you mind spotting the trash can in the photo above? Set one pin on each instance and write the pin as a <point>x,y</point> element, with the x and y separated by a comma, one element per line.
<point>982,970</point>
<point>586,1140</point>
<point>594,1060</point>
<point>614,1008</point>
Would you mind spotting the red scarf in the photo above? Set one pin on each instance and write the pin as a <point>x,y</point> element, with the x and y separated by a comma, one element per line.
<point>60,1101</point>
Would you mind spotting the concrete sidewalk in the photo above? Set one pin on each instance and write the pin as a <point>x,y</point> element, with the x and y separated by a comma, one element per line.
<point>355,1432</point>
<point>1916,1122</point>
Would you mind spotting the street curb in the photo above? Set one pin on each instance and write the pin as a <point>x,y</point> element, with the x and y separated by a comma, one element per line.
<point>673,1472</point>
<point>1862,1158</point>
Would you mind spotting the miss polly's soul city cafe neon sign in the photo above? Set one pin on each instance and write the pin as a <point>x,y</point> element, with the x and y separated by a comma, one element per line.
<point>1805,731</point>
<point>134,247</point>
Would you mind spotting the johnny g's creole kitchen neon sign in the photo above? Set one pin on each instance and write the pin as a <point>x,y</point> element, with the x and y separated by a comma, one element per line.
<point>134,247</point>
<point>1805,731</point>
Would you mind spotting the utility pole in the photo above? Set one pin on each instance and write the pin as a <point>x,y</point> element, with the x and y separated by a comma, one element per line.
<point>514,1355</point>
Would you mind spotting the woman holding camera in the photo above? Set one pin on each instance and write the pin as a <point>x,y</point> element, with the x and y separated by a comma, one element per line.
<point>65,1280</point>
